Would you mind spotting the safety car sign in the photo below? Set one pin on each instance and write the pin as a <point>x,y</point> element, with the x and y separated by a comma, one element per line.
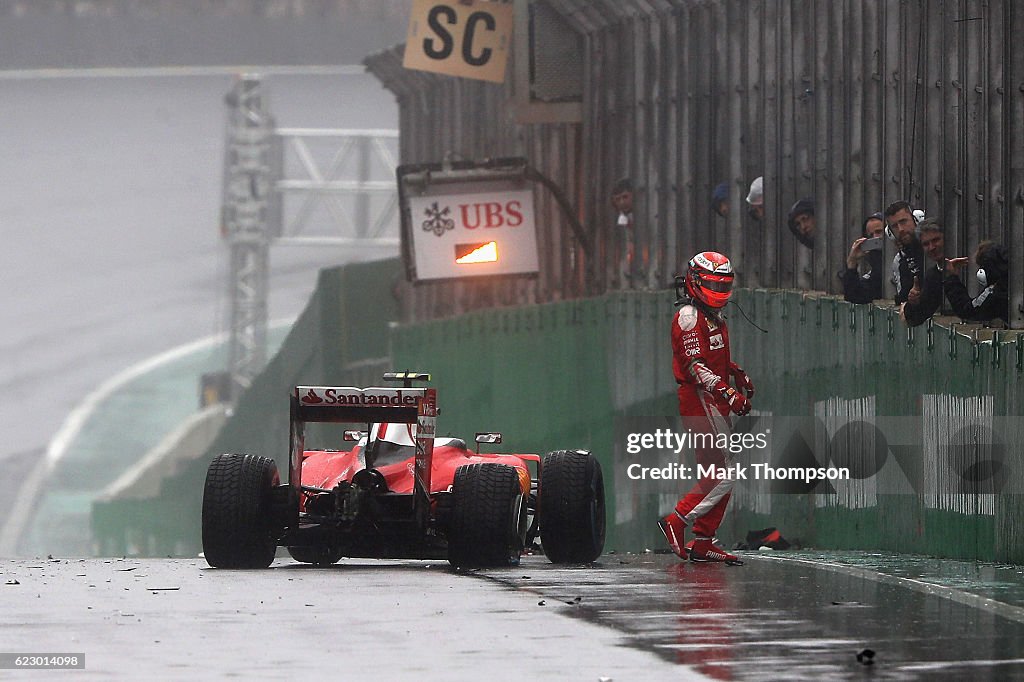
<point>467,38</point>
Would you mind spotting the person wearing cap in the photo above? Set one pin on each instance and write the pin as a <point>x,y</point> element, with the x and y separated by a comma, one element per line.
<point>755,199</point>
<point>801,221</point>
<point>720,199</point>
<point>869,286</point>
<point>993,275</point>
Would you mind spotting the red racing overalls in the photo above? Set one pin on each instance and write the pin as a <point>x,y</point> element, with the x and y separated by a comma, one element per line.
<point>700,361</point>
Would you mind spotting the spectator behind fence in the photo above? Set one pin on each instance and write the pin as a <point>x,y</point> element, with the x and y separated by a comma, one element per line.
<point>993,303</point>
<point>633,260</point>
<point>925,298</point>
<point>868,286</point>
<point>720,199</point>
<point>802,222</point>
<point>755,199</point>
<point>907,266</point>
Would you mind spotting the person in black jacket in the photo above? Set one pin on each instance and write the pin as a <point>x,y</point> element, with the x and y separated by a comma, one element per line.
<point>993,274</point>
<point>918,286</point>
<point>908,265</point>
<point>869,286</point>
<point>925,298</point>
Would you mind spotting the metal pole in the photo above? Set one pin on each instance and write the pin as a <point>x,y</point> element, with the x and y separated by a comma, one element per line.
<point>362,207</point>
<point>246,214</point>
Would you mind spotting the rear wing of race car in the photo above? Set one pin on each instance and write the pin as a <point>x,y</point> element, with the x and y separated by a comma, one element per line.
<point>347,404</point>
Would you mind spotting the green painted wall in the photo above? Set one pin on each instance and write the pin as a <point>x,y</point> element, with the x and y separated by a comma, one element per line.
<point>560,375</point>
<point>828,358</point>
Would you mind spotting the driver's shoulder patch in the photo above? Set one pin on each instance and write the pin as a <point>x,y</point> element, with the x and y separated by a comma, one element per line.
<point>687,318</point>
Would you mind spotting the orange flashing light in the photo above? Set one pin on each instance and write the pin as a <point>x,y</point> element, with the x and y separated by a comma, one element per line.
<point>476,253</point>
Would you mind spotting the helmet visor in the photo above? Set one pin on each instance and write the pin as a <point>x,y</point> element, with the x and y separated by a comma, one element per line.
<point>717,283</point>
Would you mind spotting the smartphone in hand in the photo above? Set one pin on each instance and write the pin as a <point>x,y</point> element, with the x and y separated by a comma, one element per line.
<point>871,244</point>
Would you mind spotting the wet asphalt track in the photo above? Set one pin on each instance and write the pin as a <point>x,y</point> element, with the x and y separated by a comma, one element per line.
<point>358,620</point>
<point>778,619</point>
<point>629,617</point>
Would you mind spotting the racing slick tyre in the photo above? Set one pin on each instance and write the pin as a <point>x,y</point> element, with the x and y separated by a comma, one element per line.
<point>320,556</point>
<point>488,517</point>
<point>236,512</point>
<point>571,507</point>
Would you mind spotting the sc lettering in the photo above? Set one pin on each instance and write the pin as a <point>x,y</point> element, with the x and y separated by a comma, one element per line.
<point>440,18</point>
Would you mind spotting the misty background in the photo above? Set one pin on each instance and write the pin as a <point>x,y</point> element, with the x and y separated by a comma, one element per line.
<point>112,129</point>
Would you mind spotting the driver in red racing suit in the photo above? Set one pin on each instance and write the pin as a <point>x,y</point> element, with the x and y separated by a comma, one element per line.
<point>703,368</point>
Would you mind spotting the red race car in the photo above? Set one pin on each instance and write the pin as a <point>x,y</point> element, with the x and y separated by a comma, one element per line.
<point>399,492</point>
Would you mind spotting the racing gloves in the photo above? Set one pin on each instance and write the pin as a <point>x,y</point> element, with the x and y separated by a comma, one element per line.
<point>713,384</point>
<point>742,381</point>
<point>738,403</point>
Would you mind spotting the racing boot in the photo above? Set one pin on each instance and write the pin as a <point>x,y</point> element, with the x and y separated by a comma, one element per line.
<point>705,550</point>
<point>674,527</point>
<point>689,545</point>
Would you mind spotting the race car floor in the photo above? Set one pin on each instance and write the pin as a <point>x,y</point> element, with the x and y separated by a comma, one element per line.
<point>802,615</point>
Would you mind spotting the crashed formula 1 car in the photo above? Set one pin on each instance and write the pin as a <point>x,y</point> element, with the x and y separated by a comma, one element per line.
<point>399,492</point>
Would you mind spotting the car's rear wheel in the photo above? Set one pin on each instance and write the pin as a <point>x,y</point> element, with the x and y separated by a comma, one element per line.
<point>488,518</point>
<point>236,511</point>
<point>320,556</point>
<point>571,507</point>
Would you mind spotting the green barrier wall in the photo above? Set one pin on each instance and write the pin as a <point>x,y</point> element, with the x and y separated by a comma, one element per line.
<point>561,375</point>
<point>836,361</point>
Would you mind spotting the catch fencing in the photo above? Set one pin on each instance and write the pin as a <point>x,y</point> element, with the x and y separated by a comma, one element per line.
<point>856,103</point>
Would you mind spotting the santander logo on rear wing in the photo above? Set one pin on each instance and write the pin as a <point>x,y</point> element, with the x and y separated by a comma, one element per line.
<point>349,404</point>
<point>351,397</point>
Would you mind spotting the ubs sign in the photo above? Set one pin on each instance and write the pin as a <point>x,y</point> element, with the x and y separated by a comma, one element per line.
<point>473,234</point>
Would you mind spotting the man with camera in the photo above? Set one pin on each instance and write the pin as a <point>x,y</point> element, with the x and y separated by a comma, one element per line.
<point>867,286</point>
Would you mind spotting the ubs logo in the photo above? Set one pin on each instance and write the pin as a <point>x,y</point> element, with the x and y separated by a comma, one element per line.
<point>437,220</point>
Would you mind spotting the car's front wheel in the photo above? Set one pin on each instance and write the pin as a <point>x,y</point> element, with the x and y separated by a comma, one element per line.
<point>236,521</point>
<point>488,517</point>
<point>571,507</point>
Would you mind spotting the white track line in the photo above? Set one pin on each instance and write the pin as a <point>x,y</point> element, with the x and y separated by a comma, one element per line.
<point>1009,611</point>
